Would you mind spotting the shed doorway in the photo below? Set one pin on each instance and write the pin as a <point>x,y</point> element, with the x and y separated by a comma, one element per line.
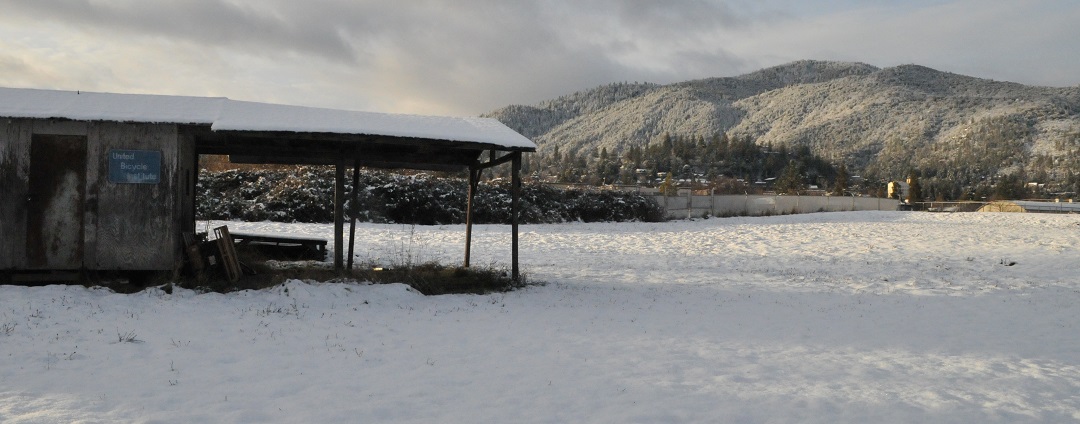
<point>55,204</point>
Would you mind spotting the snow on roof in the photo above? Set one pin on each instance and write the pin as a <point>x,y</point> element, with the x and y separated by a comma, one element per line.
<point>250,116</point>
<point>86,106</point>
<point>223,114</point>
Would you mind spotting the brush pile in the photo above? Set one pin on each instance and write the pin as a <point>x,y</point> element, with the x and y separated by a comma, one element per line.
<point>305,194</point>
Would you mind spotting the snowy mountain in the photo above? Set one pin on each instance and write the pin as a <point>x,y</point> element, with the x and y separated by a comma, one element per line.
<point>881,122</point>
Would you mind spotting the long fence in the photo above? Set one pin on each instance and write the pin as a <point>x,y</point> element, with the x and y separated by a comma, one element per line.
<point>690,206</point>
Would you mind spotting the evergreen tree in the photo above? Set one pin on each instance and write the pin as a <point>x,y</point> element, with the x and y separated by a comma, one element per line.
<point>841,184</point>
<point>914,189</point>
<point>791,180</point>
<point>668,187</point>
<point>1009,187</point>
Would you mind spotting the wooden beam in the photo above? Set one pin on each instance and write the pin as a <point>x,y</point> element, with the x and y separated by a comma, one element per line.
<point>339,216</point>
<point>515,184</point>
<point>352,216</point>
<point>260,147</point>
<point>495,162</point>
<point>430,163</point>
<point>230,136</point>
<point>474,181</point>
<point>194,185</point>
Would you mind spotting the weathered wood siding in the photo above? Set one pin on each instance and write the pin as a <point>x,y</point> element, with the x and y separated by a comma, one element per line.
<point>126,226</point>
<point>134,226</point>
<point>187,174</point>
<point>14,177</point>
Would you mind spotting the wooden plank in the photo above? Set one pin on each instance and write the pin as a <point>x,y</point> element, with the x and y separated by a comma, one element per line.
<point>227,249</point>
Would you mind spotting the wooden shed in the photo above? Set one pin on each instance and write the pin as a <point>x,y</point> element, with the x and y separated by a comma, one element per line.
<point>106,182</point>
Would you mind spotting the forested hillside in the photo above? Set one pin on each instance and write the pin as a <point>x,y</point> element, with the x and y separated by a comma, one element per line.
<point>963,136</point>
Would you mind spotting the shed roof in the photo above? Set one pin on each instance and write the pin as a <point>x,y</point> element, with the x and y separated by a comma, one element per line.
<point>250,116</point>
<point>223,114</point>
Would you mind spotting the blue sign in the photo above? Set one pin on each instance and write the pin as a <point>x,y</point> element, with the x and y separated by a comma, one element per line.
<point>135,166</point>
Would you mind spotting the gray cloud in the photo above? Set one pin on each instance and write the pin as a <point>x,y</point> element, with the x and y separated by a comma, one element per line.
<point>269,26</point>
<point>1016,41</point>
<point>471,56</point>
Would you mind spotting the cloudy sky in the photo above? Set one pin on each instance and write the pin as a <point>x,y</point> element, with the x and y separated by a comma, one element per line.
<point>466,57</point>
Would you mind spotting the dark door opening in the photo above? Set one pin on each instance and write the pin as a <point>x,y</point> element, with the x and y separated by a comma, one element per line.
<point>56,202</point>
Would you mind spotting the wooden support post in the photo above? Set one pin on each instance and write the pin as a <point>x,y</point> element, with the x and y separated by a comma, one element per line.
<point>474,182</point>
<point>339,216</point>
<point>515,184</point>
<point>352,216</point>
<point>195,196</point>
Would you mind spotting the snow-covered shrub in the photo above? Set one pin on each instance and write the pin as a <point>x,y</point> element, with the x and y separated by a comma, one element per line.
<point>305,194</point>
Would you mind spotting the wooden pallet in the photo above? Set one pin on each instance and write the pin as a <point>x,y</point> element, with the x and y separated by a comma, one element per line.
<point>227,250</point>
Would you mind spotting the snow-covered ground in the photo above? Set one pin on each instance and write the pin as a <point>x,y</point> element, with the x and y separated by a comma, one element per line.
<point>831,317</point>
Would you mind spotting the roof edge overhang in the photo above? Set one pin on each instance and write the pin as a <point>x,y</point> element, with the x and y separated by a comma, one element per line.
<point>275,147</point>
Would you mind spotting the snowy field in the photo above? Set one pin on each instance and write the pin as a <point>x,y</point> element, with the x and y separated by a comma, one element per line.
<point>821,318</point>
